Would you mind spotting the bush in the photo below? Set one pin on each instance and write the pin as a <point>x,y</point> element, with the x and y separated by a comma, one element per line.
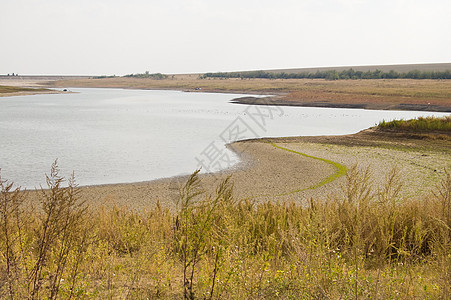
<point>45,247</point>
<point>421,124</point>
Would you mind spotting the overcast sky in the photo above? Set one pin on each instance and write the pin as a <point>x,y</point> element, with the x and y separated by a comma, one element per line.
<point>95,37</point>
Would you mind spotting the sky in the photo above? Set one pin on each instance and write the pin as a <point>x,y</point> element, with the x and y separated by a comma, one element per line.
<point>118,37</point>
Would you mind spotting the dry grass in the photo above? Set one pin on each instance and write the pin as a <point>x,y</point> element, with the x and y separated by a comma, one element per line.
<point>376,91</point>
<point>363,243</point>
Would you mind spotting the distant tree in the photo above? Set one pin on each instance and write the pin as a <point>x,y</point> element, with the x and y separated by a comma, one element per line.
<point>330,75</point>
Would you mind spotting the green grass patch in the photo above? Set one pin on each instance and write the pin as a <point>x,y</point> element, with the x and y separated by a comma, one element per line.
<point>340,170</point>
<point>421,124</point>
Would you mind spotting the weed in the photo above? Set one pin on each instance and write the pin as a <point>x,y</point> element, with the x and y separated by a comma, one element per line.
<point>367,242</point>
<point>44,248</point>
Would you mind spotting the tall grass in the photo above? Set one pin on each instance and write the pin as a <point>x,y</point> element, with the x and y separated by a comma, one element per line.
<point>364,243</point>
<point>420,124</point>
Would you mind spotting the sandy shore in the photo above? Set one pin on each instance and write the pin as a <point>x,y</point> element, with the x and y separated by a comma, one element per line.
<point>263,173</point>
<point>270,173</point>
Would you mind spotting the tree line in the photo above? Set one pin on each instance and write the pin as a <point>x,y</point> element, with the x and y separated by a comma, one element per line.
<point>334,75</point>
<point>147,74</point>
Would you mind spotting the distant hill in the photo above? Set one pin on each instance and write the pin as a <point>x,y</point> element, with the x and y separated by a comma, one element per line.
<point>384,68</point>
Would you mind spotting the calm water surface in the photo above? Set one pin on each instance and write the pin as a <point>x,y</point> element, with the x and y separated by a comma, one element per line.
<point>114,135</point>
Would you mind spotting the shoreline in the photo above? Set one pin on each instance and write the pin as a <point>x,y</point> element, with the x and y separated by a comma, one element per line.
<point>267,172</point>
<point>31,93</point>
<point>294,169</point>
<point>279,101</point>
<point>257,158</point>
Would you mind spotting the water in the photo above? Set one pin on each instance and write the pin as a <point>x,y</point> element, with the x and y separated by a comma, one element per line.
<point>115,136</point>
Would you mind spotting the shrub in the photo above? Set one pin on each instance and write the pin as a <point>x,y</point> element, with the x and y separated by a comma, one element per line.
<point>420,124</point>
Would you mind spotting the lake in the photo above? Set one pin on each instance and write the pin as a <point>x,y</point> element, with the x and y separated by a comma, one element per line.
<point>116,136</point>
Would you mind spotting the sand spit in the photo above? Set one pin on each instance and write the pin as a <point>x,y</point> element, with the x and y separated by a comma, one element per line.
<point>37,92</point>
